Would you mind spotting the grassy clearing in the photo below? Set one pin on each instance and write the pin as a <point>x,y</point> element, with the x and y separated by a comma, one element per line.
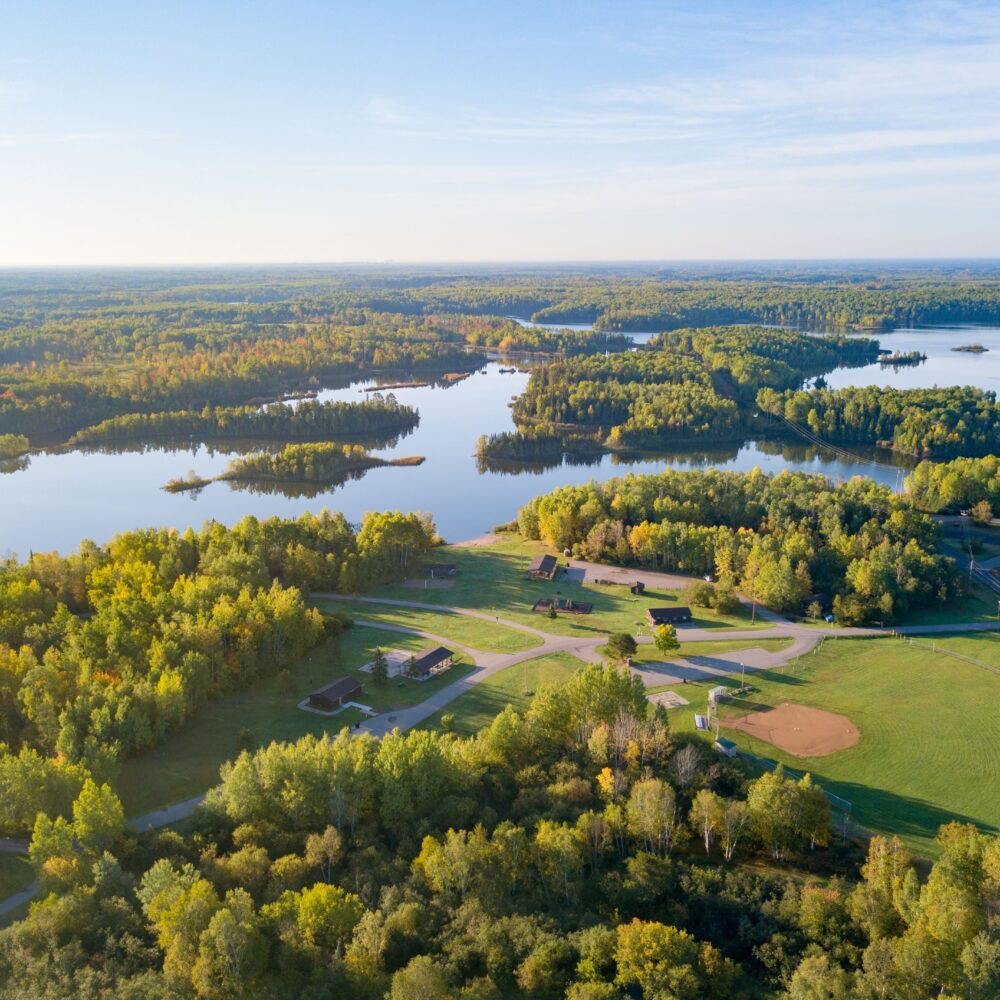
<point>929,749</point>
<point>188,763</point>
<point>494,579</point>
<point>511,686</point>
<point>473,632</point>
<point>16,874</point>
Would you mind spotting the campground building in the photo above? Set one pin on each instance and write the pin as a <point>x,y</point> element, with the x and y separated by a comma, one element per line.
<point>335,694</point>
<point>432,661</point>
<point>543,568</point>
<point>668,616</point>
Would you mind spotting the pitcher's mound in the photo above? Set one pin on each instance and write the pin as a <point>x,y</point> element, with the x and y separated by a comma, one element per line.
<point>800,730</point>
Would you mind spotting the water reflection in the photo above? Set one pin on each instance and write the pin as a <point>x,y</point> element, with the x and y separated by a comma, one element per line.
<point>59,498</point>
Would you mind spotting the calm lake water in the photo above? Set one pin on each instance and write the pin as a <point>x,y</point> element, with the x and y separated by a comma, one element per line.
<point>59,499</point>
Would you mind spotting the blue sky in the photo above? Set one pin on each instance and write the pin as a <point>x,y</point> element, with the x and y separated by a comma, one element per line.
<point>305,131</point>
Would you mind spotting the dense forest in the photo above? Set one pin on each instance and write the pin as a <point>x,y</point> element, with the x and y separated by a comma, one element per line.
<point>376,417</point>
<point>925,423</point>
<point>689,386</point>
<point>778,538</point>
<point>956,485</point>
<point>323,464</point>
<point>579,850</point>
<point>105,651</point>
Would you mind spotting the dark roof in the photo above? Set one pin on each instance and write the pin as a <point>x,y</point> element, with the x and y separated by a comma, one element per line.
<point>340,688</point>
<point>430,658</point>
<point>542,564</point>
<point>725,744</point>
<point>662,615</point>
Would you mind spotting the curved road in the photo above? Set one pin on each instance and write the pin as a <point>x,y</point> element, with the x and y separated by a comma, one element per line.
<point>678,670</point>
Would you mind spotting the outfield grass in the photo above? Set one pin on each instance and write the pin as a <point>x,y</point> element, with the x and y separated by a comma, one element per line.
<point>188,762</point>
<point>511,686</point>
<point>16,874</point>
<point>485,635</point>
<point>493,579</point>
<point>929,750</point>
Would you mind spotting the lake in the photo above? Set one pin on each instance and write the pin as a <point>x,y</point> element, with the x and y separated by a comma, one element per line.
<point>60,499</point>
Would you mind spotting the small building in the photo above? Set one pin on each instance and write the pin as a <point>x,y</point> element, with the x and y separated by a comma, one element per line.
<point>441,571</point>
<point>331,697</point>
<point>543,568</point>
<point>638,587</point>
<point>701,721</point>
<point>724,746</point>
<point>432,661</point>
<point>716,694</point>
<point>668,616</point>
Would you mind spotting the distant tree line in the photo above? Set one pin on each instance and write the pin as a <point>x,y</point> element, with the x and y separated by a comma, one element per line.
<point>309,419</point>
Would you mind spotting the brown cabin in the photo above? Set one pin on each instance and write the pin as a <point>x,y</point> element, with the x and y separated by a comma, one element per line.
<point>668,616</point>
<point>543,568</point>
<point>326,699</point>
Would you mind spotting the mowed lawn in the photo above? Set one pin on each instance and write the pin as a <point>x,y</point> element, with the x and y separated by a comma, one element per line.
<point>930,733</point>
<point>493,579</point>
<point>511,686</point>
<point>188,762</point>
<point>474,632</point>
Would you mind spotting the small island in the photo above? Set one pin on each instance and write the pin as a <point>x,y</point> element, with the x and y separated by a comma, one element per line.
<point>899,359</point>
<point>323,464</point>
<point>972,349</point>
<point>192,481</point>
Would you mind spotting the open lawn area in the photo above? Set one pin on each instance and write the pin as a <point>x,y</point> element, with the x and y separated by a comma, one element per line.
<point>929,750</point>
<point>188,762</point>
<point>485,635</point>
<point>512,686</point>
<point>16,874</point>
<point>493,578</point>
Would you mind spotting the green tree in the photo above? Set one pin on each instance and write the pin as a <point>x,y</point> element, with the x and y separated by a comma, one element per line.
<point>707,816</point>
<point>98,818</point>
<point>621,646</point>
<point>232,951</point>
<point>666,639</point>
<point>380,669</point>
<point>652,815</point>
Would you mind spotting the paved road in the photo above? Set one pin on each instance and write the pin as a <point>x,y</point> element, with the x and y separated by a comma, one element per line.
<point>155,819</point>
<point>676,670</point>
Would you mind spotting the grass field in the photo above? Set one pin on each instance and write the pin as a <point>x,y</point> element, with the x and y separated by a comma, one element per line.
<point>493,579</point>
<point>512,686</point>
<point>484,635</point>
<point>188,762</point>
<point>16,874</point>
<point>930,735</point>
